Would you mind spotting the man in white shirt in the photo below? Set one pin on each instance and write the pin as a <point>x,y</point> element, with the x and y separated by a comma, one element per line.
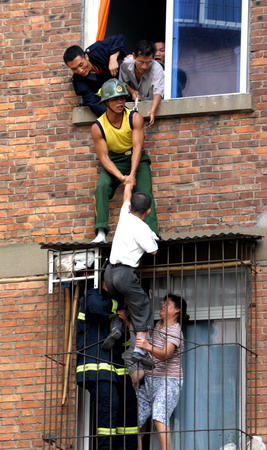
<point>132,239</point>
<point>144,77</point>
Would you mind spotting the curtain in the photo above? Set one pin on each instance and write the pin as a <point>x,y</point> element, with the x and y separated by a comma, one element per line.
<point>102,19</point>
<point>96,17</point>
<point>208,414</point>
<point>219,290</point>
<point>208,411</point>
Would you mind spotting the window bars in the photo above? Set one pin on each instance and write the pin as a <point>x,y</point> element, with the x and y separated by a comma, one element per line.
<point>217,278</point>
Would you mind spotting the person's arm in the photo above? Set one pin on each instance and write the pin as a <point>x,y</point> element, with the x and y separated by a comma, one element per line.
<point>138,143</point>
<point>158,90</point>
<point>113,64</point>
<point>113,47</point>
<point>97,304</point>
<point>155,104</point>
<point>127,194</point>
<point>117,43</point>
<point>124,316</point>
<point>160,353</point>
<point>126,76</point>
<point>82,88</point>
<point>133,93</point>
<point>102,153</point>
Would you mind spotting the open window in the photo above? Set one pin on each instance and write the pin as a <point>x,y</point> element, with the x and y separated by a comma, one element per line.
<point>206,41</point>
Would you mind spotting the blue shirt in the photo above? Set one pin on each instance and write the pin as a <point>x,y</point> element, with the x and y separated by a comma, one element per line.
<point>99,54</point>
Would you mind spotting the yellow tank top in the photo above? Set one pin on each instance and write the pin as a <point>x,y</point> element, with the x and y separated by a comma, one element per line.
<point>119,140</point>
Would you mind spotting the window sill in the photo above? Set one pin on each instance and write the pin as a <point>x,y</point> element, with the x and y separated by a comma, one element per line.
<point>187,106</point>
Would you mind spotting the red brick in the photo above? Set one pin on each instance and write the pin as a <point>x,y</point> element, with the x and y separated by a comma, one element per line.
<point>208,172</point>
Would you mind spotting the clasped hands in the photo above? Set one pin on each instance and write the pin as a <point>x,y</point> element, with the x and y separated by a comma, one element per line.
<point>128,179</point>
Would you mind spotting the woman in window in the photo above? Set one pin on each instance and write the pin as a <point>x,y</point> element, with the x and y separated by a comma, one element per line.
<point>159,394</point>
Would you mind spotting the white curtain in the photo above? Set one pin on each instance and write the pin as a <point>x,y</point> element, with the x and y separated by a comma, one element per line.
<point>91,21</point>
<point>213,359</point>
<point>210,398</point>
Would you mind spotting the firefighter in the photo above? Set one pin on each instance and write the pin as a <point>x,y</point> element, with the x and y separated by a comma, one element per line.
<point>103,373</point>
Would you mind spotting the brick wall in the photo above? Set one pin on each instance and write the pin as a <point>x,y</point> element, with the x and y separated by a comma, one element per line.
<point>213,166</point>
<point>258,379</point>
<point>209,173</point>
<point>23,345</point>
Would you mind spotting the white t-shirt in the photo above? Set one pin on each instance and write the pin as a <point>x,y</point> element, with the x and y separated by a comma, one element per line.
<point>132,239</point>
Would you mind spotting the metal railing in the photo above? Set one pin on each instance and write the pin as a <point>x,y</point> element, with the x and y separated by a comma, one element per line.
<point>218,400</point>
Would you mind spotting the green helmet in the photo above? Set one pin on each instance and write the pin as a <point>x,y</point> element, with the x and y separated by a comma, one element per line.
<point>113,88</point>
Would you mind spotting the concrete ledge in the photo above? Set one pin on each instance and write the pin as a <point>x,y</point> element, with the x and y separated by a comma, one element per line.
<point>211,104</point>
<point>22,260</point>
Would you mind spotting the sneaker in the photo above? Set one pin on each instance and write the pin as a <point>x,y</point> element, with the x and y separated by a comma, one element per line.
<point>100,237</point>
<point>99,240</point>
<point>140,358</point>
<point>113,336</point>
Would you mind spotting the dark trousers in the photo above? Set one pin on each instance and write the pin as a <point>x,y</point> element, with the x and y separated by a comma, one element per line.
<point>125,280</point>
<point>107,185</point>
<point>115,413</point>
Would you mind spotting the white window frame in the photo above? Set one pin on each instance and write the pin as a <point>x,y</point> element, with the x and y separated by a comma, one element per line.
<point>243,73</point>
<point>54,278</point>
<point>229,312</point>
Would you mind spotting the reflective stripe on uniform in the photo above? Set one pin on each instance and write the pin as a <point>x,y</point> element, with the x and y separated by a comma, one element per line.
<point>106,431</point>
<point>81,315</point>
<point>102,366</point>
<point>127,343</point>
<point>127,430</point>
<point>114,306</point>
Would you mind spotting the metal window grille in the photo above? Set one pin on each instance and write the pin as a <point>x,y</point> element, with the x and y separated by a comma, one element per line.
<point>216,275</point>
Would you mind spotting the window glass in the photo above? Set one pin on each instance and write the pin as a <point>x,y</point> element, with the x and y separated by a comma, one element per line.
<point>213,404</point>
<point>213,360</point>
<point>204,52</point>
<point>224,10</point>
<point>217,289</point>
<point>206,47</point>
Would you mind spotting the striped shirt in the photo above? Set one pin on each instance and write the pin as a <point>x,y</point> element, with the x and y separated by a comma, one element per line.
<point>169,367</point>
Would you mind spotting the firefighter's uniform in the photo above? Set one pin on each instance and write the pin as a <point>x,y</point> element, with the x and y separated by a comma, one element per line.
<point>103,373</point>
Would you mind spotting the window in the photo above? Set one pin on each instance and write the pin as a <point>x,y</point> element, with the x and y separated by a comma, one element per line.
<point>211,409</point>
<point>217,405</point>
<point>206,42</point>
<point>206,47</point>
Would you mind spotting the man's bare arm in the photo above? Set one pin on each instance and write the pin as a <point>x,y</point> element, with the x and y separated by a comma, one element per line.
<point>113,64</point>
<point>155,104</point>
<point>127,194</point>
<point>134,94</point>
<point>138,143</point>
